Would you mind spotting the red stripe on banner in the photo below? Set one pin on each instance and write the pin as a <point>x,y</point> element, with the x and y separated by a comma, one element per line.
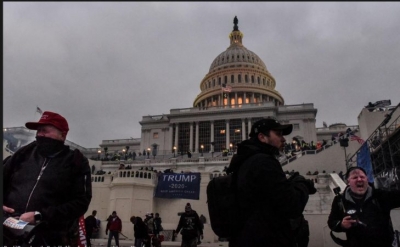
<point>82,232</point>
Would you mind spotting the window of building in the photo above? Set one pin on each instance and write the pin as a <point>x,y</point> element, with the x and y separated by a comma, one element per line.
<point>246,78</point>
<point>204,135</point>
<point>235,126</point>
<point>239,78</point>
<point>296,126</point>
<point>225,79</point>
<point>219,135</point>
<point>155,135</point>
<point>232,79</point>
<point>183,137</point>
<point>252,79</point>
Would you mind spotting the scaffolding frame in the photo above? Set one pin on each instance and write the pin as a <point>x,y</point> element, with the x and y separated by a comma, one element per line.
<point>384,147</point>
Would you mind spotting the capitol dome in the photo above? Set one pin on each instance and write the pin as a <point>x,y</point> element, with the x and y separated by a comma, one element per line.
<point>237,76</point>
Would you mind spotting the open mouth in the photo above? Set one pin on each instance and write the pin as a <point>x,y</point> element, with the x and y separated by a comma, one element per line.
<point>360,186</point>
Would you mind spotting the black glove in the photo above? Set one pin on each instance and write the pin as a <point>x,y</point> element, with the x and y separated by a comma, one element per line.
<point>297,178</point>
<point>310,186</point>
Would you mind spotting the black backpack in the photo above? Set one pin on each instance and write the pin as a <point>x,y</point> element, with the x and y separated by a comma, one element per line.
<point>223,206</point>
<point>226,217</point>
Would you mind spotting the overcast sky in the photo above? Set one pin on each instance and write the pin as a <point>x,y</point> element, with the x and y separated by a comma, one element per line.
<point>104,65</point>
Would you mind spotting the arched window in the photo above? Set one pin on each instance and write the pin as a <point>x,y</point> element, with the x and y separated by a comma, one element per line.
<point>232,79</point>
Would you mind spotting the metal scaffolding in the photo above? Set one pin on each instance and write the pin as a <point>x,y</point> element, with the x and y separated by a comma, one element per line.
<point>384,147</point>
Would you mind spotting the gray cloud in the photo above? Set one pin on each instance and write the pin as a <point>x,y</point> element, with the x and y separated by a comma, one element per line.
<point>104,65</point>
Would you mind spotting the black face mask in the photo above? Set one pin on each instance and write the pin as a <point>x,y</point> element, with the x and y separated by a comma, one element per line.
<point>47,146</point>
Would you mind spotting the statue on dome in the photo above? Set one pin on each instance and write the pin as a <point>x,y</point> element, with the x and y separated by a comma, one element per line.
<point>235,21</point>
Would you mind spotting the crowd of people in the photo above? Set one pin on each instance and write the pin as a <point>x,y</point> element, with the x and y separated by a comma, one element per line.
<point>46,186</point>
<point>147,231</point>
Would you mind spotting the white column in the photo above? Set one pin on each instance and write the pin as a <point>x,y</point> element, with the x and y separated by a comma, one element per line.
<point>252,98</point>
<point>243,129</point>
<point>171,131</point>
<point>236,102</point>
<point>191,137</point>
<point>196,144</point>
<point>244,98</point>
<point>227,134</point>
<point>176,136</point>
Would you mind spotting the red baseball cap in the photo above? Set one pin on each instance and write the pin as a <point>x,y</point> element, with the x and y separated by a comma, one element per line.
<point>50,118</point>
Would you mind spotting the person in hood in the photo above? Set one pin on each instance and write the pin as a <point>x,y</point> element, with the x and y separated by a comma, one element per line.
<point>190,225</point>
<point>46,182</point>
<point>267,199</point>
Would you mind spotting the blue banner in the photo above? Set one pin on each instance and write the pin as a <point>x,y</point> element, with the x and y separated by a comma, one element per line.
<point>364,161</point>
<point>178,185</point>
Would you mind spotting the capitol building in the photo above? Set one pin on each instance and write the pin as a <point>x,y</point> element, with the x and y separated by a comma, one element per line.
<point>237,91</point>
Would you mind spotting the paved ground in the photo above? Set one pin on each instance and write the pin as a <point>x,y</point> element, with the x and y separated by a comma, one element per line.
<point>129,243</point>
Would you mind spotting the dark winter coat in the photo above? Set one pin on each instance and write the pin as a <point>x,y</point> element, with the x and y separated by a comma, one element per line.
<point>63,192</point>
<point>157,225</point>
<point>268,200</point>
<point>140,229</point>
<point>90,224</point>
<point>374,212</point>
<point>190,225</point>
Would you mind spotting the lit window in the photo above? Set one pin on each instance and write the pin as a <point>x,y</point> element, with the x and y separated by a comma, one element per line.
<point>155,135</point>
<point>222,132</point>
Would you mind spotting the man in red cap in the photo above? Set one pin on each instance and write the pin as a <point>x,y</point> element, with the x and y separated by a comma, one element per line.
<point>46,182</point>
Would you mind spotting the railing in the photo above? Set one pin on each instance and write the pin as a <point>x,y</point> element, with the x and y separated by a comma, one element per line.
<point>305,152</point>
<point>378,137</point>
<point>126,174</point>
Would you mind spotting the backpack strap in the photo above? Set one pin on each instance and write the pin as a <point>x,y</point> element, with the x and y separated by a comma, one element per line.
<point>335,239</point>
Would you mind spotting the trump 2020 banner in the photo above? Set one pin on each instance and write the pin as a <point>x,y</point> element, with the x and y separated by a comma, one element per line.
<point>178,185</point>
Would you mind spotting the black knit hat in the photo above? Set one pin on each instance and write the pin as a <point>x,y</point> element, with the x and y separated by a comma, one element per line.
<point>188,207</point>
<point>266,124</point>
<point>354,168</point>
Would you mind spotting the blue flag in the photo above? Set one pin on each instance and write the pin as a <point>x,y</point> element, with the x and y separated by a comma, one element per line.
<point>364,161</point>
<point>178,185</point>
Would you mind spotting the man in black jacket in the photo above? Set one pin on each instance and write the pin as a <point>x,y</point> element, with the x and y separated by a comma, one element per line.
<point>266,197</point>
<point>47,182</point>
<point>90,226</point>
<point>190,225</point>
<point>363,212</point>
